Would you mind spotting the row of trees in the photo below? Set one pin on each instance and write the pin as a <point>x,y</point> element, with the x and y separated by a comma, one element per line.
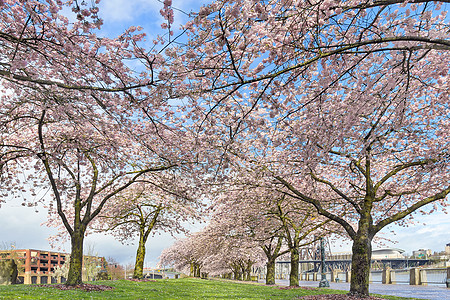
<point>342,105</point>
<point>251,227</point>
<point>335,112</point>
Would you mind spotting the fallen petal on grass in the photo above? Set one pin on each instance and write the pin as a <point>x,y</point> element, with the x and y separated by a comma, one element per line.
<point>84,287</point>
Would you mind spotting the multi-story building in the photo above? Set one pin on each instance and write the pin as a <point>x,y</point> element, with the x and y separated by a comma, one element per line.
<point>38,267</point>
<point>422,253</point>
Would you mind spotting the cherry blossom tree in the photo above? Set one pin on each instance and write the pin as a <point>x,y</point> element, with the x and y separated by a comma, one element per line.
<point>145,210</point>
<point>302,226</point>
<point>242,214</point>
<point>85,173</point>
<point>236,236</point>
<point>247,213</point>
<point>227,250</point>
<point>248,225</point>
<point>343,103</point>
<point>72,113</point>
<point>255,212</point>
<point>209,252</point>
<point>183,255</point>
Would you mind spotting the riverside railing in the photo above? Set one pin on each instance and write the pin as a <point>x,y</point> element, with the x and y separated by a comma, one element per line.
<point>417,276</point>
<point>412,276</point>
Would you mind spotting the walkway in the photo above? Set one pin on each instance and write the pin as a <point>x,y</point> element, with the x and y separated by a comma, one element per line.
<point>401,290</point>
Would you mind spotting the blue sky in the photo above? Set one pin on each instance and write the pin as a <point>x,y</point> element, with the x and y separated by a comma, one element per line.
<point>21,224</point>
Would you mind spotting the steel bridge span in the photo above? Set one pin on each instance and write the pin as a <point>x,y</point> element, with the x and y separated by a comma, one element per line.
<point>345,264</point>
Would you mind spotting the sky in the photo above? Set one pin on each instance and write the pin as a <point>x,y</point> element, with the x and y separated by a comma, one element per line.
<point>22,225</point>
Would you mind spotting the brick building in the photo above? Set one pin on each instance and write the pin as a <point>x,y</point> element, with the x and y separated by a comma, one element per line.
<point>38,267</point>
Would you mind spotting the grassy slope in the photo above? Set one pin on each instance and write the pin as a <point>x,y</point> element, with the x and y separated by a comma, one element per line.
<point>164,289</point>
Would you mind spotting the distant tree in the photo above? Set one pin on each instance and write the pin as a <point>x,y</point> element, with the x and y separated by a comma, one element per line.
<point>269,220</point>
<point>245,211</point>
<point>240,220</point>
<point>302,226</point>
<point>114,269</point>
<point>183,256</point>
<point>225,249</point>
<point>62,270</point>
<point>8,245</point>
<point>92,263</point>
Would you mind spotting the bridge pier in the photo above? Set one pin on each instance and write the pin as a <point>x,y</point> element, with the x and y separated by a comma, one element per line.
<point>447,282</point>
<point>392,273</point>
<point>417,276</point>
<point>386,276</point>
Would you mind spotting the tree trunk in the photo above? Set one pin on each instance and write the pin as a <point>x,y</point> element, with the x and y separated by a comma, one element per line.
<point>248,275</point>
<point>248,271</point>
<point>76,258</point>
<point>293,276</point>
<point>140,257</point>
<point>236,273</point>
<point>242,273</point>
<point>197,270</point>
<point>362,253</point>
<point>270,274</point>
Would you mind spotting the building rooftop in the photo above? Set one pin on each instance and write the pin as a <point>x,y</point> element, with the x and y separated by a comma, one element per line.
<point>388,249</point>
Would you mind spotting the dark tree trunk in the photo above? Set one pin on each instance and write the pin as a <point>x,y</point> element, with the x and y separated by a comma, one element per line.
<point>140,257</point>
<point>76,258</point>
<point>293,276</point>
<point>248,276</point>
<point>361,256</point>
<point>270,275</point>
<point>362,252</point>
<point>144,232</point>
<point>272,253</point>
<point>236,273</point>
<point>242,273</point>
<point>248,271</point>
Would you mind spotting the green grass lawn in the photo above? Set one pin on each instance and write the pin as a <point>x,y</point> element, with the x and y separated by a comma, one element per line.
<point>187,288</point>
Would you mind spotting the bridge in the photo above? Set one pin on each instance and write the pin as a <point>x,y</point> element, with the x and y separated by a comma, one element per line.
<point>310,259</point>
<point>313,265</point>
